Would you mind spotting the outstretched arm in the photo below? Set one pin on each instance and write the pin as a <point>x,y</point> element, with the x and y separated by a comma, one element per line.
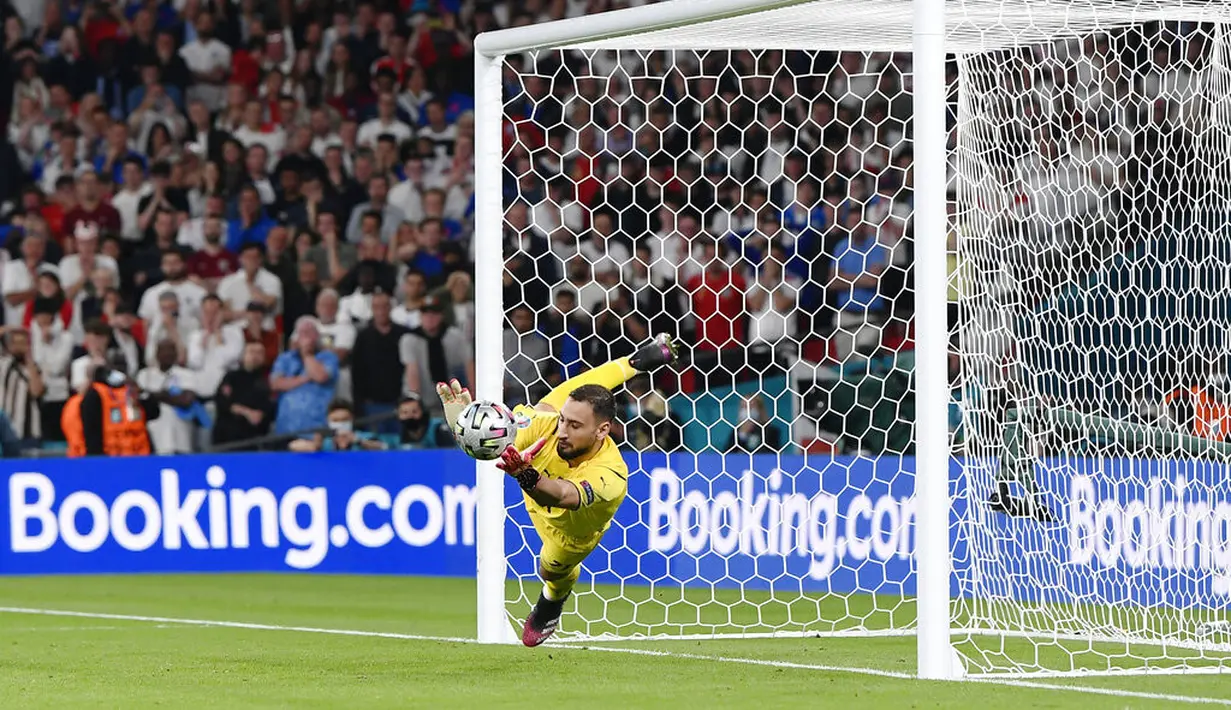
<point>661,351</point>
<point>547,492</point>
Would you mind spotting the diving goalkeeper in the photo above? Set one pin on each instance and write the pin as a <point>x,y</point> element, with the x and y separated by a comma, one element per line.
<point>570,471</point>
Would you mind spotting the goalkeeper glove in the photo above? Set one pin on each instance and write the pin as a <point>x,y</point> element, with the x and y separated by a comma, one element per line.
<point>454,397</point>
<point>517,464</point>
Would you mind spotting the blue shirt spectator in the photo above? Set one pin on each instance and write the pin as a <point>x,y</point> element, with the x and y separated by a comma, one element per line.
<point>253,224</point>
<point>855,257</point>
<point>306,383</point>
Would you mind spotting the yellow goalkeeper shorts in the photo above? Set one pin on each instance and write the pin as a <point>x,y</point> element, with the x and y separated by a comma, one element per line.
<point>560,552</point>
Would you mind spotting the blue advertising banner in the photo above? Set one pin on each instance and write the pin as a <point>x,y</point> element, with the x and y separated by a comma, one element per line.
<point>1139,532</point>
<point>363,512</point>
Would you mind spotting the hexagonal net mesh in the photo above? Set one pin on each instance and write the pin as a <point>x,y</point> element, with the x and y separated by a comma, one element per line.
<point>757,205</point>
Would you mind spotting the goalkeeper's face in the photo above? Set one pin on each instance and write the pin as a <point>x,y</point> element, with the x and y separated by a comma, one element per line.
<point>580,431</point>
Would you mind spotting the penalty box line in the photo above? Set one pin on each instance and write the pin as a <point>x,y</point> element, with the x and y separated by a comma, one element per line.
<point>1060,687</point>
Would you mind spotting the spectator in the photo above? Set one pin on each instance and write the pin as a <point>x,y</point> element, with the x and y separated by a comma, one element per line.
<point>527,354</point>
<point>20,278</point>
<point>304,378</point>
<point>771,306</point>
<point>51,346</point>
<point>302,293</point>
<point>717,296</point>
<point>21,388</point>
<point>342,433</point>
<point>173,387</point>
<point>251,283</point>
<point>334,256</point>
<point>161,195</point>
<point>252,225</point>
<point>418,430</point>
<point>647,418</point>
<point>433,353</point>
<point>209,60</point>
<point>255,331</point>
<point>244,401</point>
<point>457,298</point>
<point>414,291</point>
<point>859,261</point>
<point>371,257</point>
<point>77,269</point>
<point>385,123</point>
<point>127,199</point>
<point>108,417</point>
<point>378,364</point>
<point>755,434</point>
<point>214,348</point>
<point>175,280</point>
<point>91,209</point>
<point>212,262</point>
<point>387,217</point>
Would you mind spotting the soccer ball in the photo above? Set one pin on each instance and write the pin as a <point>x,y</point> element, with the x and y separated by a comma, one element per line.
<point>485,429</point>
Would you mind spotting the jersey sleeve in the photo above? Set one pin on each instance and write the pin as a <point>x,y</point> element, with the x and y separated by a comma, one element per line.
<point>601,481</point>
<point>542,424</point>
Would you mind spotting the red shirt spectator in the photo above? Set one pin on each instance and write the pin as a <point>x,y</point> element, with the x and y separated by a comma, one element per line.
<point>206,266</point>
<point>718,304</point>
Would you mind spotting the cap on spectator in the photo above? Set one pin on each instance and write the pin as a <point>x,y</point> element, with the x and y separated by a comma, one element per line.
<point>255,307</point>
<point>408,396</point>
<point>50,270</point>
<point>433,304</point>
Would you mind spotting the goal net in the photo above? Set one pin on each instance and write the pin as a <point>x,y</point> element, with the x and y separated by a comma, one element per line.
<point>746,183</point>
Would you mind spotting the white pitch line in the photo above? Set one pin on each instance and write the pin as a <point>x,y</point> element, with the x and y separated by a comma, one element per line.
<point>1091,690</point>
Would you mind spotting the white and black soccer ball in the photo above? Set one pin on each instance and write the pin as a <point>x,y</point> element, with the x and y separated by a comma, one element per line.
<point>485,429</point>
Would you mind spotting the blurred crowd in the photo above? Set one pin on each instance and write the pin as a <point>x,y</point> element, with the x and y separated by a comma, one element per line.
<point>261,214</point>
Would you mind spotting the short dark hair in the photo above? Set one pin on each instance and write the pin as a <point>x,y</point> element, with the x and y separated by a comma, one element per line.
<point>340,405</point>
<point>96,326</point>
<point>599,398</point>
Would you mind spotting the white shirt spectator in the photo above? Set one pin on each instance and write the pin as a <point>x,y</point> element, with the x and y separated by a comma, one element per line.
<point>192,233</point>
<point>185,325</point>
<point>203,57</point>
<point>320,145</point>
<point>548,216</point>
<point>407,197</point>
<point>211,357</point>
<point>337,335</point>
<point>79,372</point>
<point>17,278</point>
<point>356,308</point>
<point>125,202</point>
<point>71,273</point>
<point>236,293</point>
<point>52,357</point>
<point>410,318</point>
<point>273,141</point>
<point>169,433</point>
<point>190,296</point>
<point>375,128</point>
<point>443,139</point>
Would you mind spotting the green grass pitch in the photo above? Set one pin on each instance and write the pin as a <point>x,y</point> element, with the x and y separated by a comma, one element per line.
<point>50,661</point>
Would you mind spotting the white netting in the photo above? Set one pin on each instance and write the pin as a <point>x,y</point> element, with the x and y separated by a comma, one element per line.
<point>758,203</point>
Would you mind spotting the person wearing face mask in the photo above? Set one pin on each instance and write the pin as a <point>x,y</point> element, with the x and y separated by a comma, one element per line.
<point>342,433</point>
<point>419,430</point>
<point>109,417</point>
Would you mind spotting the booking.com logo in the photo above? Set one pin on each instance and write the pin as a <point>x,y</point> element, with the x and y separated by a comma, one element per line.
<point>417,515</point>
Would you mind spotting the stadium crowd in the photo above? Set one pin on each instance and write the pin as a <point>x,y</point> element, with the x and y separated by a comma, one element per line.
<point>263,212</point>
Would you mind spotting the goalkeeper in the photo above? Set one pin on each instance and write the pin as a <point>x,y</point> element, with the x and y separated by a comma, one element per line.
<point>570,471</point>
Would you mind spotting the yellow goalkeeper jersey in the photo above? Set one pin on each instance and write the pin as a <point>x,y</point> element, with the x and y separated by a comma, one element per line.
<point>601,482</point>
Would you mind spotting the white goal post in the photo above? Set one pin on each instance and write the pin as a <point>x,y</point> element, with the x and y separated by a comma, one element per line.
<point>1072,625</point>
